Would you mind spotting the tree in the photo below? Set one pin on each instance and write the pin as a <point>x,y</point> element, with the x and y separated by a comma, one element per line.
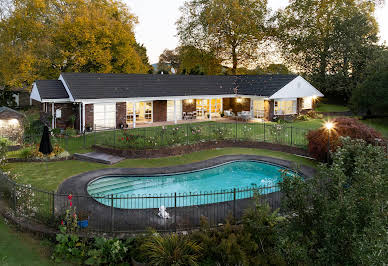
<point>330,41</point>
<point>167,60</point>
<point>231,29</point>
<point>67,35</point>
<point>371,96</point>
<point>339,216</point>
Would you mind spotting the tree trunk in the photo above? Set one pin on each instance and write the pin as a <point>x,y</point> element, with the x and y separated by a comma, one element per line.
<point>234,59</point>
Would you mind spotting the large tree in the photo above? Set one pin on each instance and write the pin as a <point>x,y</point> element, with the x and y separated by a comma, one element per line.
<point>67,35</point>
<point>329,40</point>
<point>231,29</point>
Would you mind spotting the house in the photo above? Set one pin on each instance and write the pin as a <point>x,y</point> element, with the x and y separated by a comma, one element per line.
<point>97,101</point>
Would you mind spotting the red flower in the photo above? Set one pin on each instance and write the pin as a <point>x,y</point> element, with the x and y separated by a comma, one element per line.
<point>70,196</point>
<point>75,215</point>
<point>71,203</point>
<point>62,223</point>
<point>122,138</point>
<point>127,138</point>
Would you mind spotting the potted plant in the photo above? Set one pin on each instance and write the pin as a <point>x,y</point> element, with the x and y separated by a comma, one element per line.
<point>83,219</point>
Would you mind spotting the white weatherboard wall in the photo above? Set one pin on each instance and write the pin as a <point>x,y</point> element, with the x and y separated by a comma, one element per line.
<point>297,88</point>
<point>104,115</point>
<point>170,110</point>
<point>35,93</point>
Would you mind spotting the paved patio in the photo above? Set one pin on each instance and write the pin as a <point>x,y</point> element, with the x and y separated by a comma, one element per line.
<point>98,157</point>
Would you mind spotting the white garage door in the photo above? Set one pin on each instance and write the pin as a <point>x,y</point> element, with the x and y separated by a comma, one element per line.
<point>104,115</point>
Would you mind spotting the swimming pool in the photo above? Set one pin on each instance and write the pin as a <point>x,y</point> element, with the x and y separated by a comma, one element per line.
<point>187,189</point>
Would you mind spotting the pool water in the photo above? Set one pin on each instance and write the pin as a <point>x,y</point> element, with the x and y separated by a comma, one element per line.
<point>129,191</point>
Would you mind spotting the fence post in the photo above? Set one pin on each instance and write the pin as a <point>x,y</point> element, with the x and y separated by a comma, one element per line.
<point>84,139</point>
<point>234,203</point>
<point>264,130</point>
<point>236,130</point>
<point>175,211</point>
<point>114,138</point>
<point>291,137</point>
<point>53,206</point>
<point>187,133</point>
<point>111,215</point>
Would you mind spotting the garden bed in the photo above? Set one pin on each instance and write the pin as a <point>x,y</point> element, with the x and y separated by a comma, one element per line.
<point>184,149</point>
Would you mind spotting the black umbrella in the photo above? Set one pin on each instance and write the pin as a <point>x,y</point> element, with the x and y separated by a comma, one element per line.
<point>45,144</point>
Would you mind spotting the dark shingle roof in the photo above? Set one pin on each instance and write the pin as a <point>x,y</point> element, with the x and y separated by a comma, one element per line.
<point>51,89</point>
<point>97,86</point>
<point>7,113</point>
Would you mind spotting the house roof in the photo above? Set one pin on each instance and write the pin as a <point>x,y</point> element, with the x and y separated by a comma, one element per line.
<point>51,89</point>
<point>102,86</point>
<point>8,113</point>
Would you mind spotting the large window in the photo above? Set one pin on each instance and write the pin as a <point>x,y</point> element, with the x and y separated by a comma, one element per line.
<point>143,112</point>
<point>105,115</point>
<point>285,107</point>
<point>203,106</point>
<point>307,103</point>
<point>258,108</point>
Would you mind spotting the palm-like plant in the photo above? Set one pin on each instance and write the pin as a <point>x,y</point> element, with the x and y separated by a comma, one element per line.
<point>171,249</point>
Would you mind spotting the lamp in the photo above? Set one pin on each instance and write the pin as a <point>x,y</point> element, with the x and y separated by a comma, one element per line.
<point>239,100</point>
<point>329,126</point>
<point>189,100</point>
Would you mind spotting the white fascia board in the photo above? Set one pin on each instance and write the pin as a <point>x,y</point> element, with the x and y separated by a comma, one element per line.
<point>65,100</point>
<point>297,88</point>
<point>145,99</point>
<point>35,93</point>
<point>66,87</point>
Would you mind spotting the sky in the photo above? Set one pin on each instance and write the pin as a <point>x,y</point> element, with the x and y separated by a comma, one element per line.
<point>157,30</point>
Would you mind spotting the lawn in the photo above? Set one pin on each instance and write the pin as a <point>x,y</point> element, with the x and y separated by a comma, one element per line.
<point>328,108</point>
<point>21,249</point>
<point>48,175</point>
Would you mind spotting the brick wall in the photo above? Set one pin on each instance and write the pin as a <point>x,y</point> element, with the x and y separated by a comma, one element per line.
<point>67,111</point>
<point>268,109</point>
<point>231,103</point>
<point>121,114</point>
<point>89,115</point>
<point>160,111</point>
<point>188,107</point>
<point>299,105</point>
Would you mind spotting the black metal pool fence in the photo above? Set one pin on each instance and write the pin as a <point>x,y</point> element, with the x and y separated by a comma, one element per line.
<point>134,213</point>
<point>190,133</point>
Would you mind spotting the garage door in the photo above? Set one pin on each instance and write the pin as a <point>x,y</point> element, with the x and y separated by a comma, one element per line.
<point>104,115</point>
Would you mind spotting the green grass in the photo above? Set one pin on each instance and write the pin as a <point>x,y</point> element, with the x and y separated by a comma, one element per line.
<point>379,124</point>
<point>21,249</point>
<point>326,108</point>
<point>48,175</point>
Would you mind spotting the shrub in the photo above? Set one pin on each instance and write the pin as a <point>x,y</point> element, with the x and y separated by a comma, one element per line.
<point>339,217</point>
<point>170,249</point>
<point>70,132</point>
<point>344,126</point>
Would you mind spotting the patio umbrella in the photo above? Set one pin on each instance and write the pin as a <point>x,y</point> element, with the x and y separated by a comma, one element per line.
<point>45,144</point>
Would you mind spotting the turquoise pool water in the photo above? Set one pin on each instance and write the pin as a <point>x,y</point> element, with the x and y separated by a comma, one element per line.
<point>139,192</point>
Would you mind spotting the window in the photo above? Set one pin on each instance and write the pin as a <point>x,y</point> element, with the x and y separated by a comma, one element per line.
<point>285,107</point>
<point>307,103</point>
<point>258,108</point>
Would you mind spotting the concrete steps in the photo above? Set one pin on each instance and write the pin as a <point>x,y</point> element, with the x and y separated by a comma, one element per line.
<point>98,157</point>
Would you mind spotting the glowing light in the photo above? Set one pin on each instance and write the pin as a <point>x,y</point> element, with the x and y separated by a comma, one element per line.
<point>239,100</point>
<point>315,97</point>
<point>329,125</point>
<point>13,122</point>
<point>9,123</point>
<point>189,101</point>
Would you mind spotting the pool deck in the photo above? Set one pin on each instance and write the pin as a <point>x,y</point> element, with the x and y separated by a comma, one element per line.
<point>182,218</point>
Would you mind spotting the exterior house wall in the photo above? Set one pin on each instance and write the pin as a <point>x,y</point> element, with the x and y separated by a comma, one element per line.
<point>160,111</point>
<point>121,114</point>
<point>189,107</point>
<point>299,105</point>
<point>231,103</point>
<point>67,111</point>
<point>89,116</point>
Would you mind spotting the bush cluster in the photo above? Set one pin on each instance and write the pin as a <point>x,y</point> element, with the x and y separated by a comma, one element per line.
<point>344,127</point>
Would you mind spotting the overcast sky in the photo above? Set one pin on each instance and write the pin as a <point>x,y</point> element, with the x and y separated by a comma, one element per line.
<point>157,30</point>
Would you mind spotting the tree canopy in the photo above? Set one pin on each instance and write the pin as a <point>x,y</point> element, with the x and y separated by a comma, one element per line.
<point>331,41</point>
<point>231,29</point>
<point>67,35</point>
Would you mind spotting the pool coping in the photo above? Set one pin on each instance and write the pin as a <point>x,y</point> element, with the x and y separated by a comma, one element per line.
<point>77,185</point>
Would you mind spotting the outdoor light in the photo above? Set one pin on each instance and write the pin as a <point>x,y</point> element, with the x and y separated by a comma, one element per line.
<point>329,125</point>
<point>239,100</point>
<point>189,100</point>
<point>314,97</point>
